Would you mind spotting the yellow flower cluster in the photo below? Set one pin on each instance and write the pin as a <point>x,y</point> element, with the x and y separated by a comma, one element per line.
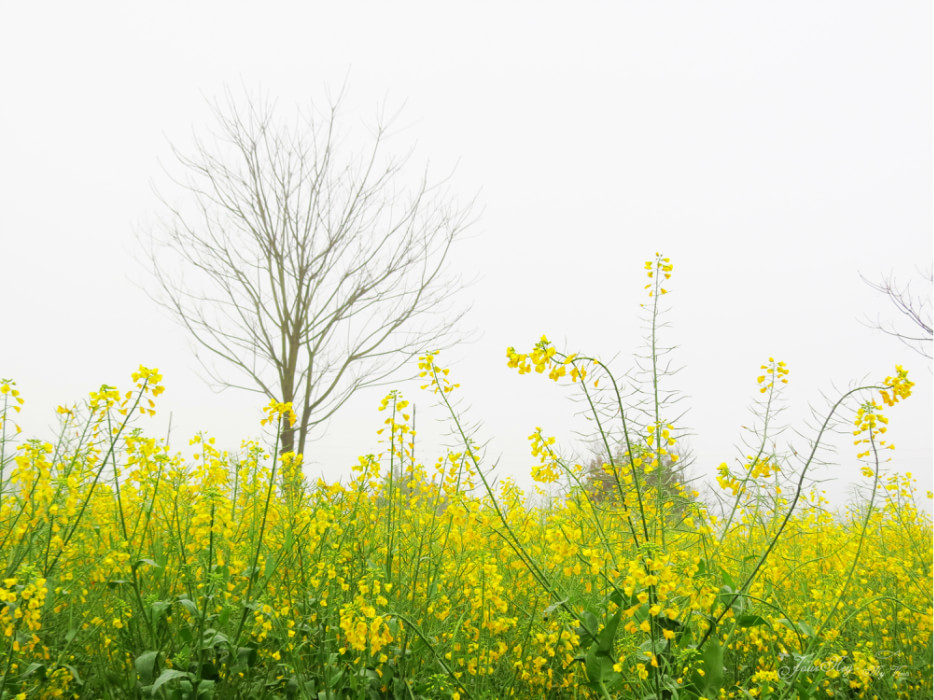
<point>657,270</point>
<point>276,410</point>
<point>437,376</point>
<point>763,468</point>
<point>363,629</point>
<point>657,441</point>
<point>9,391</point>
<point>402,434</point>
<point>773,371</point>
<point>728,481</point>
<point>870,421</point>
<point>148,381</point>
<point>21,614</point>
<point>899,386</point>
<point>544,357</point>
<point>548,469</point>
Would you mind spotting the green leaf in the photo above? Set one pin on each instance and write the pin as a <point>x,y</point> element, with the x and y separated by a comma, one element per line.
<point>168,674</point>
<point>727,579</point>
<point>212,637</point>
<point>73,671</point>
<point>206,689</point>
<point>554,607</point>
<point>206,672</point>
<point>608,634</point>
<point>669,624</point>
<point>751,621</point>
<point>588,629</point>
<point>672,686</point>
<point>804,688</point>
<point>246,656</point>
<point>189,606</point>
<point>369,673</point>
<point>34,668</point>
<point>713,663</point>
<point>332,681</point>
<point>726,595</point>
<point>270,568</point>
<point>158,610</point>
<point>656,646</point>
<point>642,613</point>
<point>597,665</point>
<point>145,665</point>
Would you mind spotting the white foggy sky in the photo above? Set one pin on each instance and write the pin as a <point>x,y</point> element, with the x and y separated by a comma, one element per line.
<point>773,151</point>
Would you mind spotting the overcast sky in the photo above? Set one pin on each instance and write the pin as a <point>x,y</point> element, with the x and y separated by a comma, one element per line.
<point>773,151</point>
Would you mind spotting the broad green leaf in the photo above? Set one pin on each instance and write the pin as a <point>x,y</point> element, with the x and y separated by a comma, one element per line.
<point>608,634</point>
<point>598,666</point>
<point>168,674</point>
<point>269,568</point>
<point>727,595</point>
<point>158,610</point>
<point>212,637</point>
<point>34,668</point>
<point>751,621</point>
<point>588,628</point>
<point>590,621</point>
<point>189,606</point>
<point>145,665</point>
<point>669,624</point>
<point>727,579</point>
<point>713,663</point>
<point>246,656</point>
<point>655,646</point>
<point>206,689</point>
<point>335,679</point>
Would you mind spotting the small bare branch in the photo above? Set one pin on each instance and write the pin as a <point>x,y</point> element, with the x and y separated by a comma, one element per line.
<point>915,307</point>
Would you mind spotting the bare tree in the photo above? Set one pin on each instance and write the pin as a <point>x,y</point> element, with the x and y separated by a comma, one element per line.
<point>309,272</point>
<point>916,308</point>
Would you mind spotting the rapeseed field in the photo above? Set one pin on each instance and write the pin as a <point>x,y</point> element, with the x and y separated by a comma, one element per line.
<point>132,570</point>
